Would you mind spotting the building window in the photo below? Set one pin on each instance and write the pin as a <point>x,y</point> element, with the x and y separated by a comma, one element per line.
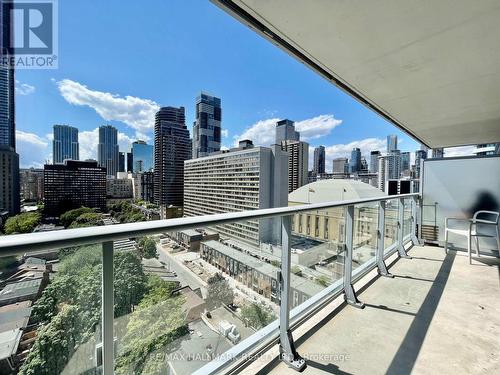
<point>300,223</point>
<point>308,224</point>
<point>316,226</point>
<point>326,228</point>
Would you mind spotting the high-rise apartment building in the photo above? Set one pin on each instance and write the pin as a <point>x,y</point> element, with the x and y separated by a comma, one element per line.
<point>319,160</point>
<point>107,149</point>
<point>419,155</point>
<point>65,144</point>
<point>438,153</point>
<point>298,153</point>
<point>121,162</point>
<point>72,185</point>
<point>392,143</point>
<point>172,147</point>
<point>130,162</point>
<point>9,159</point>
<point>142,156</point>
<point>389,168</point>
<point>239,180</point>
<point>405,163</point>
<point>374,161</point>
<point>355,162</point>
<point>285,131</point>
<point>207,126</point>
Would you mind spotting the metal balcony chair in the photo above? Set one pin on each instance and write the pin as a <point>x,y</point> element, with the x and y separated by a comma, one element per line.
<point>472,230</point>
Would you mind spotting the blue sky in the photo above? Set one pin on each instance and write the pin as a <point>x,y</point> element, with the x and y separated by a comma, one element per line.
<point>119,61</point>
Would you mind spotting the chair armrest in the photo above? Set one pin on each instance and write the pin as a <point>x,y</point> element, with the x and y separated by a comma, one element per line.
<point>483,222</point>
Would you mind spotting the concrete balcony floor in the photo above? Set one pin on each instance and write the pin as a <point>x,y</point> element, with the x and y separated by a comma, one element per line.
<point>439,315</point>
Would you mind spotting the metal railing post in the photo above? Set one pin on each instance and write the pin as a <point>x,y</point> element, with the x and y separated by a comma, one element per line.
<point>107,309</point>
<point>401,218</point>
<point>349,293</point>
<point>288,353</point>
<point>381,266</point>
<point>414,212</point>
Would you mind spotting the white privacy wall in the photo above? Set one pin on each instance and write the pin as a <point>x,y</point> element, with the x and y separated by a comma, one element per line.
<point>461,186</point>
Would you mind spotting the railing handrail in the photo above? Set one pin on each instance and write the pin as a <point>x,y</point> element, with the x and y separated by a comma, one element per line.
<point>21,243</point>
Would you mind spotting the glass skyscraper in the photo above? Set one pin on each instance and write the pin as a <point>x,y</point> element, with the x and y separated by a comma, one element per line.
<point>172,147</point>
<point>142,157</point>
<point>207,126</point>
<point>9,160</point>
<point>319,160</point>
<point>65,144</point>
<point>392,143</point>
<point>355,161</point>
<point>107,149</point>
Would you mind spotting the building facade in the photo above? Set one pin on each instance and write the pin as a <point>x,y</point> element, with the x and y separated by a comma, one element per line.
<point>374,161</point>
<point>130,162</point>
<point>240,180</point>
<point>121,162</point>
<point>143,186</point>
<point>119,187</point>
<point>355,162</point>
<point>72,185</point>
<point>142,157</point>
<point>31,183</point>
<point>107,149</point>
<point>392,143</point>
<point>319,160</point>
<point>65,144</point>
<point>207,126</point>
<point>10,201</point>
<point>172,147</point>
<point>340,166</point>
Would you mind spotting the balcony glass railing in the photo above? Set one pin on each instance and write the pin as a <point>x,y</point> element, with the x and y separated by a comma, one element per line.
<point>221,286</point>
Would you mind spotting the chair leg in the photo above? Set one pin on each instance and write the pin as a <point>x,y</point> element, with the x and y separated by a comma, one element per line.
<point>445,241</point>
<point>468,248</point>
<point>477,247</point>
<point>498,239</point>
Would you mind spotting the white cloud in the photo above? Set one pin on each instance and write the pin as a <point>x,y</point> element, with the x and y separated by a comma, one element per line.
<point>263,132</point>
<point>33,150</point>
<point>316,127</point>
<point>24,88</point>
<point>136,112</point>
<point>224,133</point>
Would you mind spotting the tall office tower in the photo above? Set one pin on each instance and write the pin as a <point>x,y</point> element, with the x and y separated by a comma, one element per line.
<point>393,165</point>
<point>72,185</point>
<point>285,131</point>
<point>319,160</point>
<point>392,142</point>
<point>374,161</point>
<point>172,147</point>
<point>9,160</point>
<point>121,162</point>
<point>207,126</point>
<point>142,155</point>
<point>107,149</point>
<point>363,165</point>
<point>419,155</point>
<point>340,166</point>
<point>405,162</point>
<point>239,180</point>
<point>355,162</point>
<point>381,180</point>
<point>65,144</point>
<point>298,153</point>
<point>130,162</point>
<point>438,153</point>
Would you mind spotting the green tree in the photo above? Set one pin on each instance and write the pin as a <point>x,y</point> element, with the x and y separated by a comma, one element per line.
<point>257,316</point>
<point>68,217</point>
<point>148,247</point>
<point>154,326</point>
<point>322,280</point>
<point>89,219</point>
<point>219,292</point>
<point>22,223</point>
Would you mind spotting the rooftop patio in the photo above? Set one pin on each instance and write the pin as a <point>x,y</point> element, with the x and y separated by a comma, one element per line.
<point>437,315</point>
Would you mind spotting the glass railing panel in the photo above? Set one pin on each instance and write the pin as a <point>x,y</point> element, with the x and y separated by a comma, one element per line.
<point>364,234</point>
<point>317,252</point>
<point>391,223</point>
<point>212,286</point>
<point>62,299</point>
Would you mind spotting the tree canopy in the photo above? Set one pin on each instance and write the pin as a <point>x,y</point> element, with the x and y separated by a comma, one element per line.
<point>257,316</point>
<point>70,216</point>
<point>22,223</point>
<point>148,247</point>
<point>219,292</point>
